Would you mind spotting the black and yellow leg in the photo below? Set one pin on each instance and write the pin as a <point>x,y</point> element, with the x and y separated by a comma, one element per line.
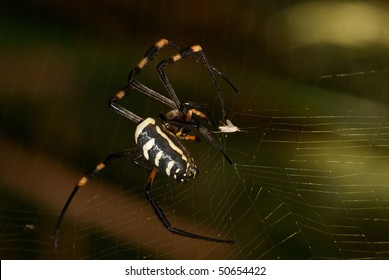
<point>195,52</point>
<point>182,135</point>
<point>150,54</point>
<point>84,179</point>
<point>190,137</point>
<point>181,128</point>
<point>199,55</point>
<point>199,109</point>
<point>195,112</point>
<point>165,221</point>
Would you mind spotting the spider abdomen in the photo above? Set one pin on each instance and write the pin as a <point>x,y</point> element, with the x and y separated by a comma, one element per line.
<point>164,150</point>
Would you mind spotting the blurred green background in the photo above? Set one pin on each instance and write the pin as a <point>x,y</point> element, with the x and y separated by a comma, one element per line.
<point>311,173</point>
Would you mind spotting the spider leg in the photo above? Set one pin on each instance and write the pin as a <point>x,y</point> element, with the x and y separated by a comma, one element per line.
<point>122,110</point>
<point>153,52</point>
<point>225,79</point>
<point>164,220</point>
<point>88,176</point>
<point>182,54</point>
<point>180,128</point>
<point>189,122</point>
<point>150,54</point>
<point>113,103</point>
<point>151,93</point>
<point>139,161</point>
<point>205,132</point>
<point>195,125</point>
<point>198,109</point>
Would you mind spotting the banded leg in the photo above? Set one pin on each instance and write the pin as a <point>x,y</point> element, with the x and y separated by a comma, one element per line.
<point>196,49</point>
<point>198,109</point>
<point>150,54</point>
<point>84,179</point>
<point>164,220</point>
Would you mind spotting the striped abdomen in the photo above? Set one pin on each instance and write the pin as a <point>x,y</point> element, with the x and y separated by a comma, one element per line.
<point>164,150</point>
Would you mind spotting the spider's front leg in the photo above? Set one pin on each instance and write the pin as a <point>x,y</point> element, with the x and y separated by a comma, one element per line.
<point>196,52</point>
<point>133,84</point>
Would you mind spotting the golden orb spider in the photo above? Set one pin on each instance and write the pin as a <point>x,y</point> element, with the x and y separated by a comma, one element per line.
<point>158,139</point>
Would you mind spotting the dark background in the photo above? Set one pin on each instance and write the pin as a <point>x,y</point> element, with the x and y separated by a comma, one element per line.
<point>293,62</point>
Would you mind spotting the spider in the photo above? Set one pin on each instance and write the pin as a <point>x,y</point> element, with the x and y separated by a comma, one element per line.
<point>158,140</point>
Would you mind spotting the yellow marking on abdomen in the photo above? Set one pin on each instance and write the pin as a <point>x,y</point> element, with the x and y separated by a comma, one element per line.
<point>139,129</point>
<point>171,144</point>
<point>147,147</point>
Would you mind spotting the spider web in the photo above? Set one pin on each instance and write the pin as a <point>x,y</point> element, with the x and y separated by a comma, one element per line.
<point>310,177</point>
